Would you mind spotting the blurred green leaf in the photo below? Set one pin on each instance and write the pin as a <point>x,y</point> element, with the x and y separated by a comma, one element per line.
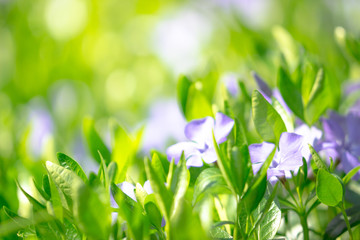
<point>95,143</point>
<point>337,226</point>
<point>240,165</point>
<point>197,105</point>
<point>254,194</point>
<point>350,174</point>
<point>163,196</point>
<point>329,190</point>
<point>210,181</point>
<point>69,163</point>
<point>92,211</point>
<point>268,122</point>
<point>320,164</point>
<point>183,86</point>
<point>287,45</point>
<point>290,93</point>
<point>123,151</point>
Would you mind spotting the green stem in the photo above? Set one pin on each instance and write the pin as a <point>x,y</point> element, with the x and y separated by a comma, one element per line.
<point>346,220</point>
<point>303,220</point>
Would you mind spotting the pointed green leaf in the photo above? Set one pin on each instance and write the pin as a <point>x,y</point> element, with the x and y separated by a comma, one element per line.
<point>69,163</point>
<point>95,143</point>
<point>267,120</point>
<point>290,93</point>
<point>329,190</point>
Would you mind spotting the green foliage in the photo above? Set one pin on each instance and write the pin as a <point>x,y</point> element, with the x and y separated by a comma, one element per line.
<point>329,190</point>
<point>267,121</point>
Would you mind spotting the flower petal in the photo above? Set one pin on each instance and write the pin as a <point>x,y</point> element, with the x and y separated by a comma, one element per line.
<point>353,127</point>
<point>223,126</point>
<point>264,87</point>
<point>209,156</point>
<point>147,187</point>
<point>259,153</point>
<point>348,161</point>
<point>200,130</point>
<point>194,161</point>
<point>128,189</point>
<point>311,136</point>
<point>290,155</point>
<point>334,127</point>
<point>176,150</point>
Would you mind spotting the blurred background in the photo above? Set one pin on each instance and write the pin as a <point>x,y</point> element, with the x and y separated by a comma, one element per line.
<point>62,60</point>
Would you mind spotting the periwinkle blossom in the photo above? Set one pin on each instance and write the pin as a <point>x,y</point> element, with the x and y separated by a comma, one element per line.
<point>200,133</point>
<point>312,136</point>
<point>287,158</point>
<point>231,83</point>
<point>342,139</point>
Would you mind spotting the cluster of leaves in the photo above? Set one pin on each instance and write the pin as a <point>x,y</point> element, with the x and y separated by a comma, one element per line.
<point>225,200</point>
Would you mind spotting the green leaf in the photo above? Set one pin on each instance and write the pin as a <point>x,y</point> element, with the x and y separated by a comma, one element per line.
<point>69,163</point>
<point>267,121</point>
<point>63,178</point>
<point>37,205</point>
<point>210,181</point>
<point>154,214</point>
<point>218,233</point>
<point>46,184</point>
<point>270,222</point>
<point>254,194</point>
<point>41,191</point>
<point>350,174</point>
<point>163,196</point>
<point>319,99</point>
<point>181,180</point>
<point>288,120</point>
<point>56,202</point>
<point>185,224</point>
<point>92,211</point>
<point>320,164</point>
<point>337,226</point>
<point>239,133</point>
<point>197,105</point>
<point>123,151</point>
<point>158,167</point>
<point>240,165</point>
<point>95,143</point>
<point>287,46</point>
<point>183,86</point>
<point>290,93</point>
<point>329,190</point>
<point>224,166</point>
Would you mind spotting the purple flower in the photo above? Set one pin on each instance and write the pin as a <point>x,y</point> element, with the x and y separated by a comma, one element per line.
<point>342,139</point>
<point>200,147</point>
<point>311,136</point>
<point>287,158</point>
<point>231,83</point>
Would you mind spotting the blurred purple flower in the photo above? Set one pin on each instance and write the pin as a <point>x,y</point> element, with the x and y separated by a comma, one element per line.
<point>342,139</point>
<point>287,158</point>
<point>231,83</point>
<point>200,147</point>
<point>311,136</point>
<point>158,128</point>
<point>41,130</point>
